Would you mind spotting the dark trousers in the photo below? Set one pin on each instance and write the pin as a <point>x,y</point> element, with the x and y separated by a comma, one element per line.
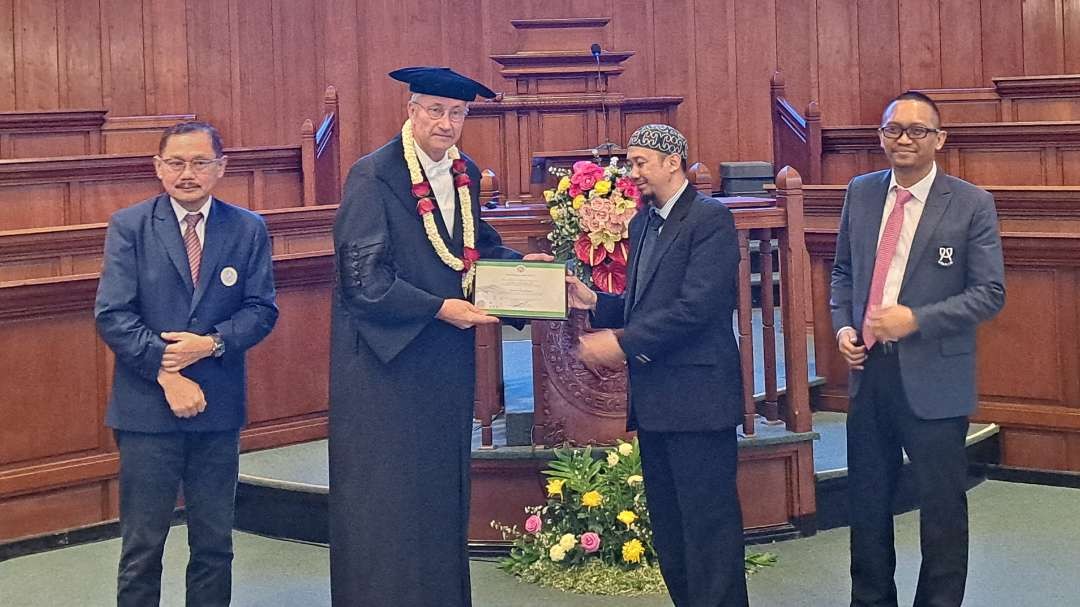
<point>879,424</point>
<point>152,468</point>
<point>695,514</point>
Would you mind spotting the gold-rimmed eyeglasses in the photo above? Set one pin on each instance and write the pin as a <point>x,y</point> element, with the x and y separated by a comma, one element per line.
<point>436,112</point>
<point>198,165</point>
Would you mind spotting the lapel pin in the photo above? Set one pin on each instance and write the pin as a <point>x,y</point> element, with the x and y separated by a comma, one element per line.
<point>229,276</point>
<point>945,256</point>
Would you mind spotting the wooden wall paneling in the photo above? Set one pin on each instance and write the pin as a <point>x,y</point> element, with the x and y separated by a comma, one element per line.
<point>100,199</point>
<point>298,61</point>
<point>920,44</point>
<point>384,24</point>
<point>123,60</point>
<point>756,33</point>
<point>32,206</point>
<point>79,27</point>
<point>45,145</point>
<point>631,24</point>
<point>716,61</point>
<point>137,134</point>
<point>879,38</point>
<point>52,397</point>
<point>1071,16</point>
<point>961,47</point>
<point>839,76</point>
<point>51,511</point>
<point>36,70</point>
<point>1002,39</point>
<point>796,51</point>
<point>345,66</point>
<point>1002,167</point>
<point>258,110</point>
<point>675,75</point>
<point>168,81</point>
<point>1070,164</point>
<point>1044,51</point>
<point>7,55</point>
<point>210,58</point>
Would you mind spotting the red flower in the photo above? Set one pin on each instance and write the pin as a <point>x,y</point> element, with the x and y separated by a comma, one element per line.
<point>458,166</point>
<point>424,206</point>
<point>461,180</point>
<point>574,190</point>
<point>588,253</point>
<point>421,189</point>
<point>610,277</point>
<point>621,252</point>
<point>468,257</point>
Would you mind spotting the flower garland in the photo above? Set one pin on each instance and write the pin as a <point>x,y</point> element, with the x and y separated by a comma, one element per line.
<point>425,206</point>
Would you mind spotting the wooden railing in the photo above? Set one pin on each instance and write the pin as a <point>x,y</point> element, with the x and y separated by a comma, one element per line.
<point>1000,153</point>
<point>321,154</point>
<point>52,133</point>
<point>1012,99</point>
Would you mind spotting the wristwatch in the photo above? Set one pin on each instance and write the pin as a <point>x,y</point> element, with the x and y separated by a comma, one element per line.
<point>219,345</point>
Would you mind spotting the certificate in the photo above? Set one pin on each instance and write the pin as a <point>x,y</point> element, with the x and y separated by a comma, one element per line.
<point>521,289</point>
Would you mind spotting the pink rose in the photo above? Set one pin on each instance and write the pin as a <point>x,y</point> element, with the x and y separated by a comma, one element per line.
<point>533,524</point>
<point>590,542</point>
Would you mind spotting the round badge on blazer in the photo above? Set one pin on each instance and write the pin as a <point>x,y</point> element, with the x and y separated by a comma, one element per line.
<point>229,276</point>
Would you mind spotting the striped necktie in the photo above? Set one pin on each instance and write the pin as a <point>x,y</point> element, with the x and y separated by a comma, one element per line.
<point>193,246</point>
<point>886,250</point>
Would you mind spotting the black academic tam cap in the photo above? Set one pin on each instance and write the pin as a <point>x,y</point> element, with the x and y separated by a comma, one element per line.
<point>441,82</point>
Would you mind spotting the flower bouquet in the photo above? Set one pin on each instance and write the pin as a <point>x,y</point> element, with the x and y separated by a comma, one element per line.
<point>591,210</point>
<point>593,536</point>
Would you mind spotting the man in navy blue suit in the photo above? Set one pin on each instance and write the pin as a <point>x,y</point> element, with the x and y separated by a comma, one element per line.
<point>918,267</point>
<point>186,288</point>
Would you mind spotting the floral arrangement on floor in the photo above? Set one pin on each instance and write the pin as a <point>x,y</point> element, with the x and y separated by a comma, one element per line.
<point>591,209</point>
<point>593,536</point>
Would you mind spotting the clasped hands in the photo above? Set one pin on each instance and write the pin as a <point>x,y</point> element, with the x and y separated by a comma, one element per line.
<point>890,323</point>
<point>185,396</point>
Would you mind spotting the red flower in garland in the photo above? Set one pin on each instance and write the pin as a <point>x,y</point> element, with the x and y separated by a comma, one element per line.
<point>461,180</point>
<point>458,166</point>
<point>421,190</point>
<point>424,206</point>
<point>469,256</point>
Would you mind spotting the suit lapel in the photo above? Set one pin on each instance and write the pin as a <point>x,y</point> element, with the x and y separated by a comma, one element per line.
<point>637,236</point>
<point>937,202</point>
<point>668,234</point>
<point>167,230</point>
<point>214,242</point>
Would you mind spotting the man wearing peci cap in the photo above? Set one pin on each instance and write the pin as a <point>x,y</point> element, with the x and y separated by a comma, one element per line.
<point>402,362</point>
<point>675,336</point>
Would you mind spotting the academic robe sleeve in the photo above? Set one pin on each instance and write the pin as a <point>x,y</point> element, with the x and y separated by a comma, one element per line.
<point>388,311</point>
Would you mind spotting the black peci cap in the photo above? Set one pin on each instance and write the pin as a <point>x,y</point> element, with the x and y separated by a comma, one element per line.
<point>441,82</point>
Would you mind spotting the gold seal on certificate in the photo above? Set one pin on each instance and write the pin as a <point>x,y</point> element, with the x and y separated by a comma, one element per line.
<point>521,289</point>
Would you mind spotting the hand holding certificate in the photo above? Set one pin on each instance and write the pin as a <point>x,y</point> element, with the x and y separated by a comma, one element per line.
<point>514,288</point>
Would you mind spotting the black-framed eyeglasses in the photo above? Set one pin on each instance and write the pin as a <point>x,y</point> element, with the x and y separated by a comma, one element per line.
<point>436,112</point>
<point>915,131</point>
<point>198,165</point>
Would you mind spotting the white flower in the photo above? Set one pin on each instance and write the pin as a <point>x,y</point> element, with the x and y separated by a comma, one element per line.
<point>567,542</point>
<point>626,449</point>
<point>634,479</point>
<point>557,553</point>
<point>612,458</point>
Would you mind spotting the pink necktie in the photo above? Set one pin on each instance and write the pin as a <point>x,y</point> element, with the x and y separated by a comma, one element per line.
<point>191,243</point>
<point>885,251</point>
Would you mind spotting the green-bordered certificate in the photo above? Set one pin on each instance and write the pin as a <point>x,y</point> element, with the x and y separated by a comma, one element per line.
<point>521,289</point>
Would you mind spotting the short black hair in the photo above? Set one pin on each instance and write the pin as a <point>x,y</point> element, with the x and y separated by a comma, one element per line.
<point>914,96</point>
<point>194,126</point>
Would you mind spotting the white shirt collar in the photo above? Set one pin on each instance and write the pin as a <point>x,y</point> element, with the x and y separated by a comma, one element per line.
<point>181,212</point>
<point>921,189</point>
<point>430,165</point>
<point>665,210</point>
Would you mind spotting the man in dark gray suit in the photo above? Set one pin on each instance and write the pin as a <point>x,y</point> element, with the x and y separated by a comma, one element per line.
<point>918,267</point>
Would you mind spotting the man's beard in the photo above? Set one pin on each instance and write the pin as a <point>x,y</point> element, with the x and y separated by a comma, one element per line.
<point>649,199</point>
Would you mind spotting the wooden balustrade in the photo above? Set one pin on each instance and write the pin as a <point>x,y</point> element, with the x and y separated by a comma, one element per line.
<point>1012,99</point>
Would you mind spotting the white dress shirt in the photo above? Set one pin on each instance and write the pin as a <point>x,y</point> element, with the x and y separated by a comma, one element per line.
<point>200,228</point>
<point>913,210</point>
<point>442,184</point>
<point>665,210</point>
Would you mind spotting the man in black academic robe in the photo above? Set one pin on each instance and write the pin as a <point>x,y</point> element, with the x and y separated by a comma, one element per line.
<point>402,370</point>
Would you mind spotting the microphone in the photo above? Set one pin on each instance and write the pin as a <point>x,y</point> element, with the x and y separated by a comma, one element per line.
<point>595,48</point>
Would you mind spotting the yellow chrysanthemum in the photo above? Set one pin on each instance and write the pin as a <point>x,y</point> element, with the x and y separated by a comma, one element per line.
<point>554,487</point>
<point>602,187</point>
<point>626,449</point>
<point>549,195</point>
<point>632,551</point>
<point>634,479</point>
<point>554,213</point>
<point>579,201</point>
<point>564,184</point>
<point>567,541</point>
<point>627,518</point>
<point>591,499</point>
<point>557,553</point>
<point>612,458</point>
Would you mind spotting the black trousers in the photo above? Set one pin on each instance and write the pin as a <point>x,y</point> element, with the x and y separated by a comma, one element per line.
<point>152,469</point>
<point>879,424</point>
<point>695,514</point>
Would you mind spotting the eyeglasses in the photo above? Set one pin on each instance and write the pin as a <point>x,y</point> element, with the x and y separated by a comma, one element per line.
<point>436,112</point>
<point>198,165</point>
<point>915,131</point>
